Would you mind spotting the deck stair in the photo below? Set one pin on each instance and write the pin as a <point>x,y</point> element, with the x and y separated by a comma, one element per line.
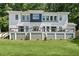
<point>4,35</point>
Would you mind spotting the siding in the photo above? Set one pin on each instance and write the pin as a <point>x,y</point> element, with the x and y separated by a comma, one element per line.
<point>50,36</point>
<point>36,36</point>
<point>20,36</point>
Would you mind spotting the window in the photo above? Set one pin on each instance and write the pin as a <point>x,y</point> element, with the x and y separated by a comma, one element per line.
<point>23,18</point>
<point>53,29</point>
<point>27,17</point>
<point>47,18</point>
<point>21,29</point>
<point>35,28</point>
<point>43,29</point>
<point>43,18</point>
<point>35,16</point>
<point>60,28</point>
<point>27,28</point>
<point>16,17</point>
<point>60,18</point>
<point>47,28</point>
<point>55,18</point>
<point>51,18</point>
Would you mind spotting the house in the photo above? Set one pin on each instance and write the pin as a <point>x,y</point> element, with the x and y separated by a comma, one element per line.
<point>37,24</point>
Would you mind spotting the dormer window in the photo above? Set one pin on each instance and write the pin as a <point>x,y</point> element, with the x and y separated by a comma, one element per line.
<point>47,18</point>
<point>55,18</point>
<point>60,18</point>
<point>35,16</point>
<point>51,18</point>
<point>16,17</point>
<point>23,18</point>
<point>43,18</point>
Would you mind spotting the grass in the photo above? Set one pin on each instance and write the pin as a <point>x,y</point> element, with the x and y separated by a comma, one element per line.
<point>39,48</point>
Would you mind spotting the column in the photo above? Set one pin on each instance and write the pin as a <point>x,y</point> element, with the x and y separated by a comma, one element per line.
<point>45,28</point>
<point>15,36</point>
<point>73,35</point>
<point>50,29</point>
<point>30,36</point>
<point>10,36</point>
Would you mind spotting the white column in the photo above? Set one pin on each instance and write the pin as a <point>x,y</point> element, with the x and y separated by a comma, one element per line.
<point>10,36</point>
<point>30,36</point>
<point>55,36</point>
<point>50,29</point>
<point>45,28</point>
<point>73,35</point>
<point>46,34</point>
<point>15,36</point>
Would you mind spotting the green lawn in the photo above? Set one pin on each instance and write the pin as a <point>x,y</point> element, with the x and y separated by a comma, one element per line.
<point>40,48</point>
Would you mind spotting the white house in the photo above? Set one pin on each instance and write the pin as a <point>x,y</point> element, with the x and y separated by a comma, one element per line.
<point>37,24</point>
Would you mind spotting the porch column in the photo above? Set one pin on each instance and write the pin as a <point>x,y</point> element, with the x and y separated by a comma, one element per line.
<point>49,28</point>
<point>73,35</point>
<point>10,36</point>
<point>15,36</point>
<point>30,36</point>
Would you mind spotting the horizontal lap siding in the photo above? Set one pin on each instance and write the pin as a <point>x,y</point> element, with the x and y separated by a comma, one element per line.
<point>20,36</point>
<point>60,35</point>
<point>36,36</point>
<point>50,36</point>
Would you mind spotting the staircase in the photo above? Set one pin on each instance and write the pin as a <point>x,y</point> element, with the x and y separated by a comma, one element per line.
<point>4,35</point>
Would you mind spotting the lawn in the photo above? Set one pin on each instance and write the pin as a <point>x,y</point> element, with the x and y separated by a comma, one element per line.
<point>39,48</point>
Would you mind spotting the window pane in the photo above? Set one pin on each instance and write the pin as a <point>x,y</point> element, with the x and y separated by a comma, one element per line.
<point>55,18</point>
<point>47,28</point>
<point>43,29</point>
<point>60,18</point>
<point>27,28</point>
<point>21,29</point>
<point>35,16</point>
<point>51,18</point>
<point>35,28</point>
<point>23,18</point>
<point>47,17</point>
<point>53,29</point>
<point>16,17</point>
<point>27,17</point>
<point>43,18</point>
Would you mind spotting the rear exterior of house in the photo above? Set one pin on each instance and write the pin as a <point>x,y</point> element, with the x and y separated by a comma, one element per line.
<point>37,24</point>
